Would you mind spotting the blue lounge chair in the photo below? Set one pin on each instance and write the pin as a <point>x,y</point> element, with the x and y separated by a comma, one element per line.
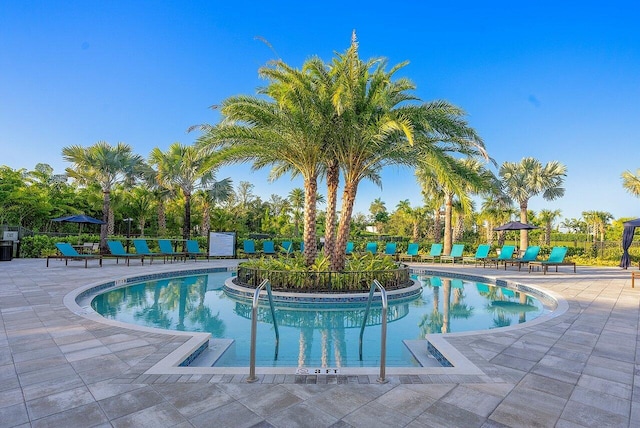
<point>434,253</point>
<point>143,248</point>
<point>193,250</point>
<point>268,248</point>
<point>67,252</point>
<point>287,246</point>
<point>482,253</point>
<point>556,258</point>
<point>412,252</point>
<point>529,255</point>
<point>249,247</point>
<point>506,253</point>
<point>349,249</point>
<point>167,248</point>
<point>118,252</point>
<point>390,249</point>
<point>302,247</point>
<point>456,254</point>
<point>372,247</point>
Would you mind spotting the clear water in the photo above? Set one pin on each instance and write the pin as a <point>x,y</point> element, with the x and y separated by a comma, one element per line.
<point>316,337</point>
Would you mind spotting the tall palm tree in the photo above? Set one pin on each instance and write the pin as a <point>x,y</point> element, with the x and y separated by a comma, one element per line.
<point>378,126</point>
<point>183,169</point>
<point>631,182</point>
<point>106,165</point>
<point>529,178</point>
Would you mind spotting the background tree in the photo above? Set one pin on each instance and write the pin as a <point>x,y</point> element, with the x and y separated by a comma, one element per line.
<point>529,178</point>
<point>106,165</point>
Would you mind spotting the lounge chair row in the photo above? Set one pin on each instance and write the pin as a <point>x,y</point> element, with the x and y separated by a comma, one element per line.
<point>117,251</point>
<point>505,256</point>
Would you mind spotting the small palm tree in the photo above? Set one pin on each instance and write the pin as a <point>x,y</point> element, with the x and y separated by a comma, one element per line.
<point>529,178</point>
<point>547,217</point>
<point>106,165</point>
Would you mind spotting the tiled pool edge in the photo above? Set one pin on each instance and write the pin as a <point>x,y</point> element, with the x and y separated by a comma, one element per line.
<point>171,364</point>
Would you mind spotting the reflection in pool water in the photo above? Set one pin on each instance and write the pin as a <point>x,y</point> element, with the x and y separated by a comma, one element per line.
<point>317,336</point>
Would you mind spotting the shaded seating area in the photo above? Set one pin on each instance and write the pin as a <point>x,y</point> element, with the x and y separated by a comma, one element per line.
<point>482,253</point>
<point>455,255</point>
<point>412,253</point>
<point>530,255</point>
<point>167,248</point>
<point>506,253</point>
<point>556,258</point>
<point>118,252</point>
<point>434,253</point>
<point>193,250</point>
<point>67,252</point>
<point>142,248</point>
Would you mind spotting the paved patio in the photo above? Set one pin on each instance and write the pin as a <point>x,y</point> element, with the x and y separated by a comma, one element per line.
<point>60,369</point>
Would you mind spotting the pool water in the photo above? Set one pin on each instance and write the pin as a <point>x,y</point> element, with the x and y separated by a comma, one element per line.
<point>317,336</point>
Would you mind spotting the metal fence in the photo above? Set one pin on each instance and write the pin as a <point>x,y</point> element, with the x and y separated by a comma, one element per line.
<point>324,281</point>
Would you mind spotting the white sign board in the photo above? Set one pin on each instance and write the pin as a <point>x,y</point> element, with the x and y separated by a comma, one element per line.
<point>222,244</point>
<point>10,235</point>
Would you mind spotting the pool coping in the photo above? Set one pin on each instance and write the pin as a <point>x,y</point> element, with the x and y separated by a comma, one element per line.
<point>76,302</point>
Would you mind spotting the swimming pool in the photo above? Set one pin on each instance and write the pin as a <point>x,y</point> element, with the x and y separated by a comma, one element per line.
<point>316,336</point>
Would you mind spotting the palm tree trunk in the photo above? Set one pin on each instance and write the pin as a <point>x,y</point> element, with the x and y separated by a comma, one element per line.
<point>437,226</point>
<point>186,231</point>
<point>348,200</point>
<point>524,234</point>
<point>310,246</point>
<point>206,219</point>
<point>106,194</point>
<point>333,177</point>
<point>162,219</point>
<point>448,231</point>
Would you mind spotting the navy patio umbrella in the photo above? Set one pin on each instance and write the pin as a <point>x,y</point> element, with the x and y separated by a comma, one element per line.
<point>516,225</point>
<point>627,239</point>
<point>79,218</point>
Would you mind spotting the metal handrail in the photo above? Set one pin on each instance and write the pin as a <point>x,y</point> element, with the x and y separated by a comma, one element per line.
<point>383,329</point>
<point>254,327</point>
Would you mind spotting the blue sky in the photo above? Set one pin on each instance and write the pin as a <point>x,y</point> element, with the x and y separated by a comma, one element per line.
<point>552,80</point>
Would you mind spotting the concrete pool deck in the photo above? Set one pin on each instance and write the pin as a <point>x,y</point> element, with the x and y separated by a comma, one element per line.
<point>61,369</point>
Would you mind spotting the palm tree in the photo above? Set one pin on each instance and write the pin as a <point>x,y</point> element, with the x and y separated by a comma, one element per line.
<point>210,195</point>
<point>106,165</point>
<point>286,131</point>
<point>451,177</point>
<point>377,127</point>
<point>597,221</point>
<point>296,199</point>
<point>631,182</point>
<point>547,217</point>
<point>529,178</point>
<point>183,169</point>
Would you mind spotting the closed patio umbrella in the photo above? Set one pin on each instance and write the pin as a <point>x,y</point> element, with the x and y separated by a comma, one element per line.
<point>627,239</point>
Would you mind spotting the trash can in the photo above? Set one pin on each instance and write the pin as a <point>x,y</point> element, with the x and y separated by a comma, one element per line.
<point>6,251</point>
